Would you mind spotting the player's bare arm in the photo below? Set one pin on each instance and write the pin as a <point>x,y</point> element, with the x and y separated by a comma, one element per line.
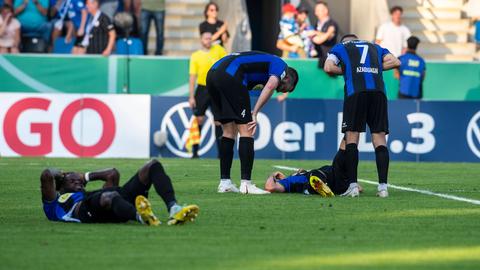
<point>272,185</point>
<point>266,94</point>
<point>111,176</point>
<point>47,184</point>
<point>331,68</point>
<point>390,62</point>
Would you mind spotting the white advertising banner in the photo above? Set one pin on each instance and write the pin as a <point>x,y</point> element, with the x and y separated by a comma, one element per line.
<point>74,125</point>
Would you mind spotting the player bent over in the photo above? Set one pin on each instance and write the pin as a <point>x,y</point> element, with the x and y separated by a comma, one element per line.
<point>326,181</point>
<point>65,198</point>
<point>228,83</point>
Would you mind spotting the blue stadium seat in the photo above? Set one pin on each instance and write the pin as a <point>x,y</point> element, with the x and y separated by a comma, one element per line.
<point>131,46</point>
<point>61,47</point>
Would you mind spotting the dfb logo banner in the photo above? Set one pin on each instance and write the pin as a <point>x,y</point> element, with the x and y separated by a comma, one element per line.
<point>74,125</point>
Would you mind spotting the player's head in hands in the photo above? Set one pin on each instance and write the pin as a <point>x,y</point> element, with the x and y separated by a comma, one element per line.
<point>289,82</point>
<point>69,182</point>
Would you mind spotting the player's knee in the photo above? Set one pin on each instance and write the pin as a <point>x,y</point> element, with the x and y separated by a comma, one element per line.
<point>144,172</point>
<point>106,199</point>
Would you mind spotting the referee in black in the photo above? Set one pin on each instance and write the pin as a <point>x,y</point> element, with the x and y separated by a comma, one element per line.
<point>100,33</point>
<point>362,64</point>
<point>228,83</point>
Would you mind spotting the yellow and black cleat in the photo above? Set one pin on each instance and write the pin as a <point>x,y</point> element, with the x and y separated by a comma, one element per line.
<point>184,214</point>
<point>320,187</point>
<point>144,209</point>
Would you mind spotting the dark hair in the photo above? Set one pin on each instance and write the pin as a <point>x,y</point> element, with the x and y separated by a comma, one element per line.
<point>322,3</point>
<point>208,6</point>
<point>7,6</point>
<point>412,42</point>
<point>396,8</point>
<point>292,73</point>
<point>348,36</point>
<point>302,10</point>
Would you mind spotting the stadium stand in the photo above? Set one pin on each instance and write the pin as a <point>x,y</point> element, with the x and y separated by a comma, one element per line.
<point>131,46</point>
<point>181,27</point>
<point>441,26</point>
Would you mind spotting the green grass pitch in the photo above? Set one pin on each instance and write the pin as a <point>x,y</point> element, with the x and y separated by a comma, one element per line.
<point>280,231</point>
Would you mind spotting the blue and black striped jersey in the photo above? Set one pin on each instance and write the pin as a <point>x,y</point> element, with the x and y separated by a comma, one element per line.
<point>252,68</point>
<point>361,62</point>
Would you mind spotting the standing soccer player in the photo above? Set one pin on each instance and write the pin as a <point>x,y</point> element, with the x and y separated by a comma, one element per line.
<point>199,100</point>
<point>362,64</point>
<point>228,83</point>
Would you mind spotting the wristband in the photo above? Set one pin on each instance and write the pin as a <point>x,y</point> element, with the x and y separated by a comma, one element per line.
<point>87,176</point>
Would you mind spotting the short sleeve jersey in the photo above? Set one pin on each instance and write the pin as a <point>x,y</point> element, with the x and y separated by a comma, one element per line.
<point>201,61</point>
<point>362,66</point>
<point>61,209</point>
<point>99,34</point>
<point>252,68</point>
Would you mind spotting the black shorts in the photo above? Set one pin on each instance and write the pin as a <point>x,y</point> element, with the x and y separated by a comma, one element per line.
<point>91,211</point>
<point>230,98</point>
<point>202,100</point>
<point>365,108</point>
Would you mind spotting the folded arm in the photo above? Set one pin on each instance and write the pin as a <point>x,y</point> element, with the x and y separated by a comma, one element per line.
<point>111,177</point>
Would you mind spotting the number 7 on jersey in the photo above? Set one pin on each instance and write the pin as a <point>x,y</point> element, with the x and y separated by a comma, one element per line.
<point>364,53</point>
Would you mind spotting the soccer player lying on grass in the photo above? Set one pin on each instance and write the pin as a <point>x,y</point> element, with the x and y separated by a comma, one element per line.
<point>65,198</point>
<point>326,181</point>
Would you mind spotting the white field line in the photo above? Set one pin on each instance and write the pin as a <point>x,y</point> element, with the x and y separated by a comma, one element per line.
<point>421,191</point>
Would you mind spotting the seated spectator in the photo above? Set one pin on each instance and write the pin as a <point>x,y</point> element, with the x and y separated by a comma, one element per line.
<point>72,14</point>
<point>411,72</point>
<point>289,40</point>
<point>100,33</point>
<point>326,32</point>
<point>393,35</point>
<point>153,10</point>
<point>9,30</point>
<point>32,15</point>
<point>109,7</point>
<point>213,25</point>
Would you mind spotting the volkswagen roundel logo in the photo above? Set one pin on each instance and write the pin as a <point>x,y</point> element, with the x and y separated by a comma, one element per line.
<point>177,122</point>
<point>473,134</point>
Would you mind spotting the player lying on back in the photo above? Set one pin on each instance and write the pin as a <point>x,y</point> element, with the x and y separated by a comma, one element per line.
<point>326,181</point>
<point>65,199</point>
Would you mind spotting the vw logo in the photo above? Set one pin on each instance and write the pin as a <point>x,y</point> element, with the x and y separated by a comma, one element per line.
<point>177,122</point>
<point>473,134</point>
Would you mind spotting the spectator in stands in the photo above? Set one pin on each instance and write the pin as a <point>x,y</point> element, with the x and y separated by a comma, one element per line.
<point>411,72</point>
<point>32,15</point>
<point>100,33</point>
<point>72,14</point>
<point>393,35</point>
<point>9,30</point>
<point>153,10</point>
<point>326,32</point>
<point>134,8</point>
<point>213,25</point>
<point>306,31</point>
<point>109,7</point>
<point>289,40</point>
